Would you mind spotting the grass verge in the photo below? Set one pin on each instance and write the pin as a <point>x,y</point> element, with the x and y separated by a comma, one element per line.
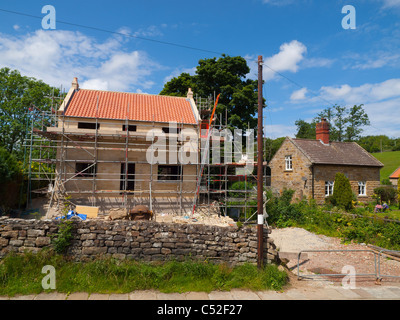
<point>22,274</point>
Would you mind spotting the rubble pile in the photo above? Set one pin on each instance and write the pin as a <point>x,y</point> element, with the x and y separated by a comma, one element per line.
<point>207,215</point>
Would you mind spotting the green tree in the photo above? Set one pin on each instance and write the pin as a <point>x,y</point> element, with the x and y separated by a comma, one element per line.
<point>342,194</point>
<point>11,179</point>
<point>357,118</point>
<point>18,96</point>
<point>305,130</point>
<point>226,76</point>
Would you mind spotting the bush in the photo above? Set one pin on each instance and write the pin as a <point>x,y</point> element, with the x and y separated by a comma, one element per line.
<point>342,194</point>
<point>11,180</point>
<point>386,194</point>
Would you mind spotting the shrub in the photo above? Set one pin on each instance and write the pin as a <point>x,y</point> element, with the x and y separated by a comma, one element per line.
<point>386,194</point>
<point>342,194</point>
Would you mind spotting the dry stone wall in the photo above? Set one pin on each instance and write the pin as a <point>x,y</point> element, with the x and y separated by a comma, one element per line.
<point>139,240</point>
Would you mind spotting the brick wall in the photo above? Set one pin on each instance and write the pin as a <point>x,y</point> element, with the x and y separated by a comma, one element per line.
<point>139,240</point>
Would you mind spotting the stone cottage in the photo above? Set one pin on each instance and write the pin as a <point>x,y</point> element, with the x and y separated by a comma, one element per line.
<point>394,177</point>
<point>123,149</point>
<point>309,166</point>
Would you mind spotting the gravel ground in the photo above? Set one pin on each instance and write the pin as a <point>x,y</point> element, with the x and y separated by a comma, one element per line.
<point>296,239</point>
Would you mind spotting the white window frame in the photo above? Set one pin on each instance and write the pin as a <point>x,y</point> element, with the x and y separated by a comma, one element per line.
<point>329,188</point>
<point>362,188</point>
<point>288,163</point>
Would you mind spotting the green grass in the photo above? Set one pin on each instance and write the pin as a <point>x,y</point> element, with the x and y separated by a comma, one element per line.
<point>391,160</point>
<point>21,274</point>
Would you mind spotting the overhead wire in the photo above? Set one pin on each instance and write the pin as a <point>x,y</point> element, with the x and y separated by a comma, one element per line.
<point>160,42</point>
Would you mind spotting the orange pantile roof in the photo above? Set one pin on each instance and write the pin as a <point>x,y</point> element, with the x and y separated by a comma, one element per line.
<point>396,174</point>
<point>142,107</point>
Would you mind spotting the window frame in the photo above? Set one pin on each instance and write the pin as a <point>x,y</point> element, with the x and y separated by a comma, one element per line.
<point>362,186</point>
<point>88,125</point>
<point>87,173</point>
<point>288,163</point>
<point>329,185</point>
<point>168,176</point>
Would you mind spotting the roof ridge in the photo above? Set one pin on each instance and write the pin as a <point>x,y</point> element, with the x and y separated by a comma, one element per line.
<point>135,93</point>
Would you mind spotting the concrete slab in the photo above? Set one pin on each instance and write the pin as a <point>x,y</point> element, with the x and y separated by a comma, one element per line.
<point>170,296</point>
<point>220,295</point>
<point>244,295</point>
<point>382,293</point>
<point>349,293</point>
<point>119,296</point>
<point>51,296</point>
<point>78,296</point>
<point>296,294</point>
<point>396,291</point>
<point>27,297</point>
<point>196,296</point>
<point>98,296</point>
<point>143,295</point>
<point>271,295</point>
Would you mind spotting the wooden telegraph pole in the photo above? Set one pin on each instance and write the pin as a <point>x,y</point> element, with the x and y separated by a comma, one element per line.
<point>260,158</point>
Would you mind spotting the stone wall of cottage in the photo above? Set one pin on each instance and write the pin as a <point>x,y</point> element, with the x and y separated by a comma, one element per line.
<point>305,182</point>
<point>139,240</point>
<point>298,179</point>
<point>355,174</point>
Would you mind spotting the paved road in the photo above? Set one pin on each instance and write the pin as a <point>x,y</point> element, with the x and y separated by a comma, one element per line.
<point>391,292</point>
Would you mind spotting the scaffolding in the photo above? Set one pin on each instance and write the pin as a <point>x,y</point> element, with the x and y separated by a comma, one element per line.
<point>55,172</point>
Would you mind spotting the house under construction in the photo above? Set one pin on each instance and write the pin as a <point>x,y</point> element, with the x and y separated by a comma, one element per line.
<point>114,149</point>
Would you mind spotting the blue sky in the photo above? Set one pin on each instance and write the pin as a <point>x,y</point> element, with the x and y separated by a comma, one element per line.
<point>322,63</point>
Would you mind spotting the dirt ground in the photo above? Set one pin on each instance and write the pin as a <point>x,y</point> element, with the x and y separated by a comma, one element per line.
<point>358,258</point>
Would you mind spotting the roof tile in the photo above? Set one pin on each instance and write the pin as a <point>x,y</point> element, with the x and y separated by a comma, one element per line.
<point>142,107</point>
<point>338,153</point>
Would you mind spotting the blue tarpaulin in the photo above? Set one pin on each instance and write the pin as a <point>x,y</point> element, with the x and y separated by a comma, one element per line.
<point>72,214</point>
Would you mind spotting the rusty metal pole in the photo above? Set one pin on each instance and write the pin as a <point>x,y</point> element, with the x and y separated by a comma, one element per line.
<point>260,158</point>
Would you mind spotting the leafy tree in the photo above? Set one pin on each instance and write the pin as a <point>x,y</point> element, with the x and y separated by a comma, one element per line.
<point>10,178</point>
<point>225,76</point>
<point>272,146</point>
<point>345,124</point>
<point>19,95</point>
<point>340,121</point>
<point>342,194</point>
<point>305,130</point>
<point>356,120</point>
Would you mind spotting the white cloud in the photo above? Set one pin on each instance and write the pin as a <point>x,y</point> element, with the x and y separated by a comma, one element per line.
<point>391,3</point>
<point>365,93</point>
<point>381,102</point>
<point>299,94</point>
<point>178,71</point>
<point>374,60</point>
<point>56,57</point>
<point>279,130</point>
<point>288,59</point>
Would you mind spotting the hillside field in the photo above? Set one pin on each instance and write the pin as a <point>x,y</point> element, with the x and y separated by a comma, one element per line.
<point>391,160</point>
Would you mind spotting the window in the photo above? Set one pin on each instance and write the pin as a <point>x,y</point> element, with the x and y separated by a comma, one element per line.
<point>362,188</point>
<point>130,128</point>
<point>328,188</point>
<point>288,163</point>
<point>85,169</point>
<point>166,130</point>
<point>168,173</point>
<point>88,125</point>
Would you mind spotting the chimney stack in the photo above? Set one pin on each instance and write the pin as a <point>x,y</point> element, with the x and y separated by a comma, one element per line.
<point>75,84</point>
<point>322,131</point>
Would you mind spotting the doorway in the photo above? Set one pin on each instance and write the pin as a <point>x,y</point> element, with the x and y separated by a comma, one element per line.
<point>128,176</point>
